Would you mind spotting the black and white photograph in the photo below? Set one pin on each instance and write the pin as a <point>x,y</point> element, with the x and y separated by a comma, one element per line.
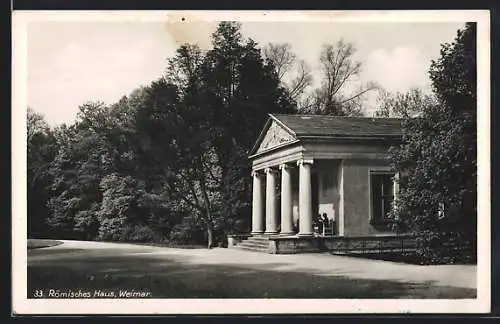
<point>252,162</point>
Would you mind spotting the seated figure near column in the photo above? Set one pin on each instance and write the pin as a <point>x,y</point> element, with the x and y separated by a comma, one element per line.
<point>317,224</point>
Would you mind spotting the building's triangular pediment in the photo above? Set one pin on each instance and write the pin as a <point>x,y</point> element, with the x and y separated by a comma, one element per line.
<point>275,135</point>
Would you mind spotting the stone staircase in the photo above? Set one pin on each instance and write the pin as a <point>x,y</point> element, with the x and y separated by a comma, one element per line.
<point>255,244</point>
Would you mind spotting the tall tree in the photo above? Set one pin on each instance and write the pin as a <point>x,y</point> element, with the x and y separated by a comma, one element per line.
<point>85,156</point>
<point>281,56</point>
<point>184,66</point>
<point>294,74</point>
<point>236,63</point>
<point>403,105</point>
<point>437,161</point>
<point>41,151</point>
<point>338,71</point>
<point>176,145</point>
<point>218,105</point>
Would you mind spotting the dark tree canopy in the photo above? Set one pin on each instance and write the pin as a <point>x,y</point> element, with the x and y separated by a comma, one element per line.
<point>41,150</point>
<point>438,158</point>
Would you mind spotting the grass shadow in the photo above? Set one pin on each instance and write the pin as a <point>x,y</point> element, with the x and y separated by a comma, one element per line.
<point>406,258</point>
<point>38,243</point>
<point>167,276</point>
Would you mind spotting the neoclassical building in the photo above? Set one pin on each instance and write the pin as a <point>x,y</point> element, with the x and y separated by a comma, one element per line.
<point>305,166</point>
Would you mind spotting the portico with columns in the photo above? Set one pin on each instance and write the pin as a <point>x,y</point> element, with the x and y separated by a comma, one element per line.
<point>308,166</point>
<point>265,211</point>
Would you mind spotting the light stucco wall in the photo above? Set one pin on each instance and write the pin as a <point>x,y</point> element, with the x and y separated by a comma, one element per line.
<point>356,197</point>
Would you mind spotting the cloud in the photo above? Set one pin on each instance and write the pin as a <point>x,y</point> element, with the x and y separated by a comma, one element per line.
<point>398,69</point>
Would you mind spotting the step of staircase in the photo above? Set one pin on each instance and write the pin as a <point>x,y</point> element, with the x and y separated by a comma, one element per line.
<point>253,249</point>
<point>257,239</point>
<point>255,244</point>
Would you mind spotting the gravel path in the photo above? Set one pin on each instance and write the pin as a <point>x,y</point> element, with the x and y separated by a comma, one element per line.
<point>463,276</point>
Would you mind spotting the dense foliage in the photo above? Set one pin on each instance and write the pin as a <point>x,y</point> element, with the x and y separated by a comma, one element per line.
<point>167,162</point>
<point>41,151</point>
<point>437,161</point>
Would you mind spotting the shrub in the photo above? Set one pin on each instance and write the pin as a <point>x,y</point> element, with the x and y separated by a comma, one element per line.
<point>143,233</point>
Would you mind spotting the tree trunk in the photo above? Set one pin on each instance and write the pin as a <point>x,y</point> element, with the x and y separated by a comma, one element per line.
<point>210,236</point>
<point>210,233</point>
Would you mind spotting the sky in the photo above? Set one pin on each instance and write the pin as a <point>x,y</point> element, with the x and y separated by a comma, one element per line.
<point>69,63</point>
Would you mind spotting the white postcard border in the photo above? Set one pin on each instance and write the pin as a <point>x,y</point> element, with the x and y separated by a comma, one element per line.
<point>22,305</point>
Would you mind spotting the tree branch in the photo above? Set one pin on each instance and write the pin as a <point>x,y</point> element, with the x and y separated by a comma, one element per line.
<point>357,95</point>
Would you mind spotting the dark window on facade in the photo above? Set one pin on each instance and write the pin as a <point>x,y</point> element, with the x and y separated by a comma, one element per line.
<point>382,196</point>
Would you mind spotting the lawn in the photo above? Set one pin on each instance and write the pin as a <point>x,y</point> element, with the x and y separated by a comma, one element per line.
<point>412,258</point>
<point>172,277</point>
<point>37,243</point>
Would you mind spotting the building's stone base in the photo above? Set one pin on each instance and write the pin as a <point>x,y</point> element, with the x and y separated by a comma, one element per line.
<point>369,244</point>
<point>340,245</point>
<point>294,244</point>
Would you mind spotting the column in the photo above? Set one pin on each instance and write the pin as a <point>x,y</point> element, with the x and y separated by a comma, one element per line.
<point>257,204</point>
<point>305,198</point>
<point>340,221</point>
<point>396,188</point>
<point>271,222</point>
<point>286,200</point>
